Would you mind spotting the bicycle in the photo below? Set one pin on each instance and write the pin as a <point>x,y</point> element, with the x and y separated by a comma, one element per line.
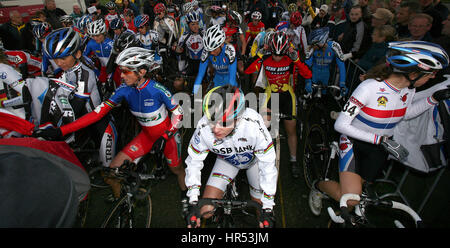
<point>230,208</point>
<point>319,148</point>
<point>364,218</point>
<point>134,208</point>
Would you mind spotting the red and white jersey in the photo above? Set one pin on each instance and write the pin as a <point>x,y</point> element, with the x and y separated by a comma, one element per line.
<point>375,108</point>
<point>17,58</point>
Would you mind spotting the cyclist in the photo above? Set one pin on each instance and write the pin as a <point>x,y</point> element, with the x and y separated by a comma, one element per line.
<point>118,27</point>
<point>100,46</point>
<point>187,8</point>
<point>166,27</point>
<point>222,57</point>
<point>234,34</point>
<point>320,56</point>
<point>149,102</point>
<point>298,33</point>
<point>191,44</point>
<point>128,16</point>
<point>275,74</point>
<point>254,27</point>
<point>63,46</point>
<point>148,38</point>
<point>217,16</point>
<point>241,141</point>
<point>27,64</point>
<point>48,66</point>
<point>112,13</point>
<point>368,119</point>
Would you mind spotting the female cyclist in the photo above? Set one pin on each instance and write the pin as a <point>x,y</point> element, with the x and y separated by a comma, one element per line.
<point>149,102</point>
<point>368,119</point>
<point>241,141</point>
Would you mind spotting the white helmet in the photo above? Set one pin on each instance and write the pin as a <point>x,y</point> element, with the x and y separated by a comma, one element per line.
<point>214,37</point>
<point>187,7</point>
<point>256,15</point>
<point>96,27</point>
<point>136,58</point>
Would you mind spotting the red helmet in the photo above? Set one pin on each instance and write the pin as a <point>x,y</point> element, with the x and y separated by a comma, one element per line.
<point>279,43</point>
<point>159,8</point>
<point>296,18</point>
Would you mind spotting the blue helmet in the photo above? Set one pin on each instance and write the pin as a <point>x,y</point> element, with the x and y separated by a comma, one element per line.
<point>116,23</point>
<point>192,17</point>
<point>319,36</point>
<point>41,30</point>
<point>416,56</point>
<point>141,20</point>
<point>61,43</point>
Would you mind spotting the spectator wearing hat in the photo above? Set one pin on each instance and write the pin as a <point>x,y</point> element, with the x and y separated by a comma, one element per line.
<point>405,12</point>
<point>53,14</point>
<point>337,21</point>
<point>419,26</point>
<point>429,9</point>
<point>382,17</point>
<point>322,18</point>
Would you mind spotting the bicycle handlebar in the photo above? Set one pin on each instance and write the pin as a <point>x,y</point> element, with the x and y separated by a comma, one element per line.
<point>233,204</point>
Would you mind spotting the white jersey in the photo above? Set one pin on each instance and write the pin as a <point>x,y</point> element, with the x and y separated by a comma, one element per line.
<point>249,143</point>
<point>375,108</point>
<point>11,84</point>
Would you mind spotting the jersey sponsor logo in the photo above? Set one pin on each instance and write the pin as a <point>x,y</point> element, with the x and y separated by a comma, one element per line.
<point>163,89</point>
<point>148,102</point>
<point>149,119</point>
<point>3,75</point>
<point>356,101</point>
<point>228,150</point>
<point>382,100</point>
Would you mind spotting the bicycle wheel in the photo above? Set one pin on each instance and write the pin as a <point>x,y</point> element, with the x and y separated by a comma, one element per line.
<point>315,154</point>
<point>122,215</point>
<point>317,114</point>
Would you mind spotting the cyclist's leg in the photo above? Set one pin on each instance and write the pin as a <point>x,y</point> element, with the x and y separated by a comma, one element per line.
<point>221,175</point>
<point>253,183</point>
<point>172,152</point>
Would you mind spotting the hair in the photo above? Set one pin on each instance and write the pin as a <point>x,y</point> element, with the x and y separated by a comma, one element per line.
<point>380,71</point>
<point>423,16</point>
<point>387,31</point>
<point>413,7</point>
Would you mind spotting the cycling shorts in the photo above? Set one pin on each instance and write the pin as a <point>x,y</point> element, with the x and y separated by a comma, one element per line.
<point>362,158</point>
<point>223,173</point>
<point>287,102</point>
<point>143,143</point>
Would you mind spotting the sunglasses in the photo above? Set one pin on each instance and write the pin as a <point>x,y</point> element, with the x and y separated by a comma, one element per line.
<point>126,71</point>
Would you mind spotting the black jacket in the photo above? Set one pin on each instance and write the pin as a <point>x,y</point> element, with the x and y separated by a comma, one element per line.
<point>53,17</point>
<point>17,38</point>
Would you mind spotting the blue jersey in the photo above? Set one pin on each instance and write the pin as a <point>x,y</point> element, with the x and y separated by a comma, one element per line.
<point>319,61</point>
<point>225,66</point>
<point>149,102</point>
<point>101,51</point>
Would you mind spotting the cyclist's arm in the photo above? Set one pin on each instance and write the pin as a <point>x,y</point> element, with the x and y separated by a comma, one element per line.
<point>265,152</point>
<point>304,70</point>
<point>339,61</point>
<point>177,111</point>
<point>351,109</point>
<point>197,153</point>
<point>201,71</point>
<point>230,54</point>
<point>418,107</point>
<point>97,114</point>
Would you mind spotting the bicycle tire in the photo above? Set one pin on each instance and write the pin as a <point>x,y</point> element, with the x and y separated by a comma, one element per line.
<point>315,154</point>
<point>317,113</point>
<point>141,215</point>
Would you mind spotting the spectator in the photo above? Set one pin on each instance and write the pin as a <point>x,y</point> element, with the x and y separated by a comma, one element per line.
<point>381,36</point>
<point>15,34</point>
<point>366,15</point>
<point>394,5</point>
<point>337,21</point>
<point>148,9</point>
<point>382,17</point>
<point>429,9</point>
<point>101,10</point>
<point>53,14</point>
<point>307,18</point>
<point>322,18</point>
<point>375,5</point>
<point>444,41</point>
<point>76,11</point>
<point>127,4</point>
<point>356,36</point>
<point>442,8</point>
<point>405,12</point>
<point>419,26</point>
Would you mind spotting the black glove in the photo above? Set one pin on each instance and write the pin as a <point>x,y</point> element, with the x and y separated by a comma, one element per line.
<point>267,218</point>
<point>193,215</point>
<point>394,148</point>
<point>442,95</point>
<point>48,133</point>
